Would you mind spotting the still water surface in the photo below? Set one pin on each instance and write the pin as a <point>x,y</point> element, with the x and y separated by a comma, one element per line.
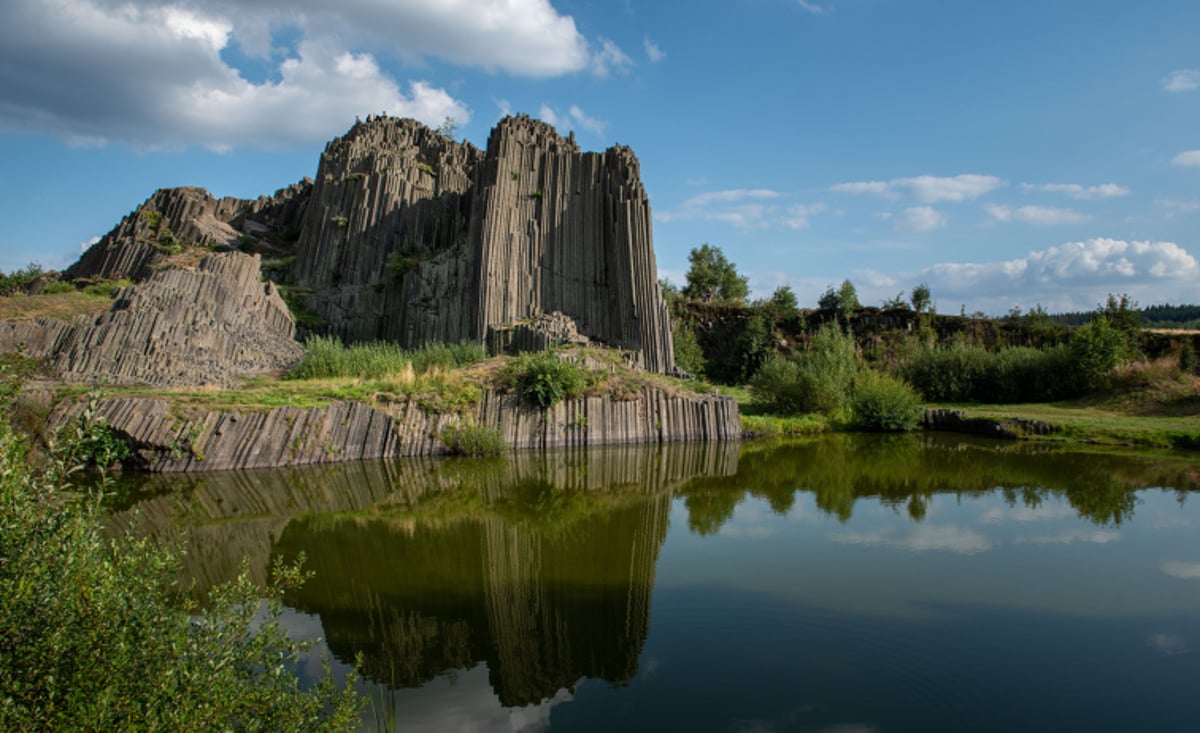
<point>848,583</point>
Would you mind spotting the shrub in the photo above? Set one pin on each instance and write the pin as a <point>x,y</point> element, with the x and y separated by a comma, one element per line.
<point>474,440</point>
<point>98,637</point>
<point>951,374</point>
<point>545,379</point>
<point>1187,358</point>
<point>817,380</point>
<point>883,402</point>
<point>1096,348</point>
<point>18,279</point>
<point>89,442</point>
<point>688,354</point>
<point>447,356</point>
<point>58,286</point>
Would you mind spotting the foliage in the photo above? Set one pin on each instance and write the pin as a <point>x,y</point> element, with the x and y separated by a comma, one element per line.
<point>817,380</point>
<point>712,277</point>
<point>474,440</point>
<point>784,299</point>
<point>965,373</point>
<point>106,288</point>
<point>1096,348</point>
<point>327,357</point>
<point>1122,313</point>
<point>1187,358</point>
<point>18,279</point>
<point>98,637</point>
<point>404,261</point>
<point>294,298</point>
<point>89,441</point>
<point>688,354</point>
<point>544,379</point>
<point>885,403</point>
<point>842,302</point>
<point>922,299</point>
<point>55,287</point>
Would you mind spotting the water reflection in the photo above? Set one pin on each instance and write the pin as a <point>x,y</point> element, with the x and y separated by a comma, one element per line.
<point>538,572</point>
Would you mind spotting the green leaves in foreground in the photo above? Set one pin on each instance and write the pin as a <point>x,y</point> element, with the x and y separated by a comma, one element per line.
<point>95,635</point>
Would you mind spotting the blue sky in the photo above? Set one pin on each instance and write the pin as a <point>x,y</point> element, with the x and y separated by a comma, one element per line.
<point>1007,154</point>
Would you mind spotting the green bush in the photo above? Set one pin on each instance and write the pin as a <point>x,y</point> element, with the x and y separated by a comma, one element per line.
<point>326,357</point>
<point>89,441</point>
<point>474,440</point>
<point>447,356</point>
<point>949,374</point>
<point>55,287</point>
<point>97,636</point>
<point>817,380</point>
<point>1187,358</point>
<point>967,373</point>
<point>885,403</point>
<point>544,379</point>
<point>1096,348</point>
<point>18,279</point>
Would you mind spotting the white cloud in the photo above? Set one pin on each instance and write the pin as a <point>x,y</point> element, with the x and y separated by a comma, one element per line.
<point>1077,191</point>
<point>1038,215</point>
<point>1183,80</point>
<point>654,52</point>
<point>575,116</point>
<point>927,189</point>
<point>591,124</point>
<point>1187,157</point>
<point>1168,644</point>
<point>812,7</point>
<point>797,216</point>
<point>504,106</point>
<point>1182,570</point>
<point>610,58</point>
<point>923,538</point>
<point>152,73</point>
<point>84,245</point>
<point>920,219</point>
<point>1072,276</point>
<point>745,208</point>
<point>1069,537</point>
<point>1176,207</point>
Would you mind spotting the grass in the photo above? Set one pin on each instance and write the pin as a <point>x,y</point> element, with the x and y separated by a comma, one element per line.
<point>60,306</point>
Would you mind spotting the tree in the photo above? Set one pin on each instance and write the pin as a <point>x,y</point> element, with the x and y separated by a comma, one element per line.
<point>842,302</point>
<point>784,299</point>
<point>922,299</point>
<point>712,277</point>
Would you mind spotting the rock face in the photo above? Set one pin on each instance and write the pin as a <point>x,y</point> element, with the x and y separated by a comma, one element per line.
<point>412,237</point>
<point>346,431</point>
<point>180,327</point>
<point>173,216</point>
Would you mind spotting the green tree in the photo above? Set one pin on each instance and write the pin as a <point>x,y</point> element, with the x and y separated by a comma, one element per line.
<point>712,277</point>
<point>922,299</point>
<point>842,302</point>
<point>784,299</point>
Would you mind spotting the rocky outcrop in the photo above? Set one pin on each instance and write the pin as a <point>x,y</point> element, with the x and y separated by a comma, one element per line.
<point>216,440</point>
<point>181,327</point>
<point>174,217</point>
<point>412,237</point>
<point>956,421</point>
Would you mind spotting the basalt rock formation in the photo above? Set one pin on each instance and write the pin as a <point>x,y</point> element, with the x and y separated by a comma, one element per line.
<point>169,441</point>
<point>173,217</point>
<point>412,237</point>
<point>181,327</point>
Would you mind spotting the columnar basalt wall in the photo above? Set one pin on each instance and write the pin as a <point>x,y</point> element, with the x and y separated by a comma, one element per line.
<point>216,440</point>
<point>412,237</point>
<point>210,325</point>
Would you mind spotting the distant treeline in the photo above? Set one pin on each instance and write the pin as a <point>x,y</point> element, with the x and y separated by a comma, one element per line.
<point>1154,316</point>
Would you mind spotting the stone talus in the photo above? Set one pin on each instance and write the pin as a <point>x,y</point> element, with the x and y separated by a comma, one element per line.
<point>345,431</point>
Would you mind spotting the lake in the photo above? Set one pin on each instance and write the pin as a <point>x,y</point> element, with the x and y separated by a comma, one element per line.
<point>846,583</point>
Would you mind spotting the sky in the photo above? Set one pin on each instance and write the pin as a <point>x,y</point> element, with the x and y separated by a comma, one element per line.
<point>1007,154</point>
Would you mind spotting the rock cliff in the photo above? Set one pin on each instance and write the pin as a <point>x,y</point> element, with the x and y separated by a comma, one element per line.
<point>412,237</point>
<point>210,325</point>
<point>169,440</point>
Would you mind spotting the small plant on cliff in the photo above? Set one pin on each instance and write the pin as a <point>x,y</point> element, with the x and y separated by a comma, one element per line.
<point>89,441</point>
<point>474,440</point>
<point>885,403</point>
<point>545,378</point>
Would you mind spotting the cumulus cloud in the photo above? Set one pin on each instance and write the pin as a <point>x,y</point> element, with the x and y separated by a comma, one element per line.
<point>811,7</point>
<point>919,219</point>
<point>926,189</point>
<point>1038,215</point>
<point>1187,157</point>
<point>653,51</point>
<point>1072,276</point>
<point>1183,80</point>
<point>1077,191</point>
<point>154,73</point>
